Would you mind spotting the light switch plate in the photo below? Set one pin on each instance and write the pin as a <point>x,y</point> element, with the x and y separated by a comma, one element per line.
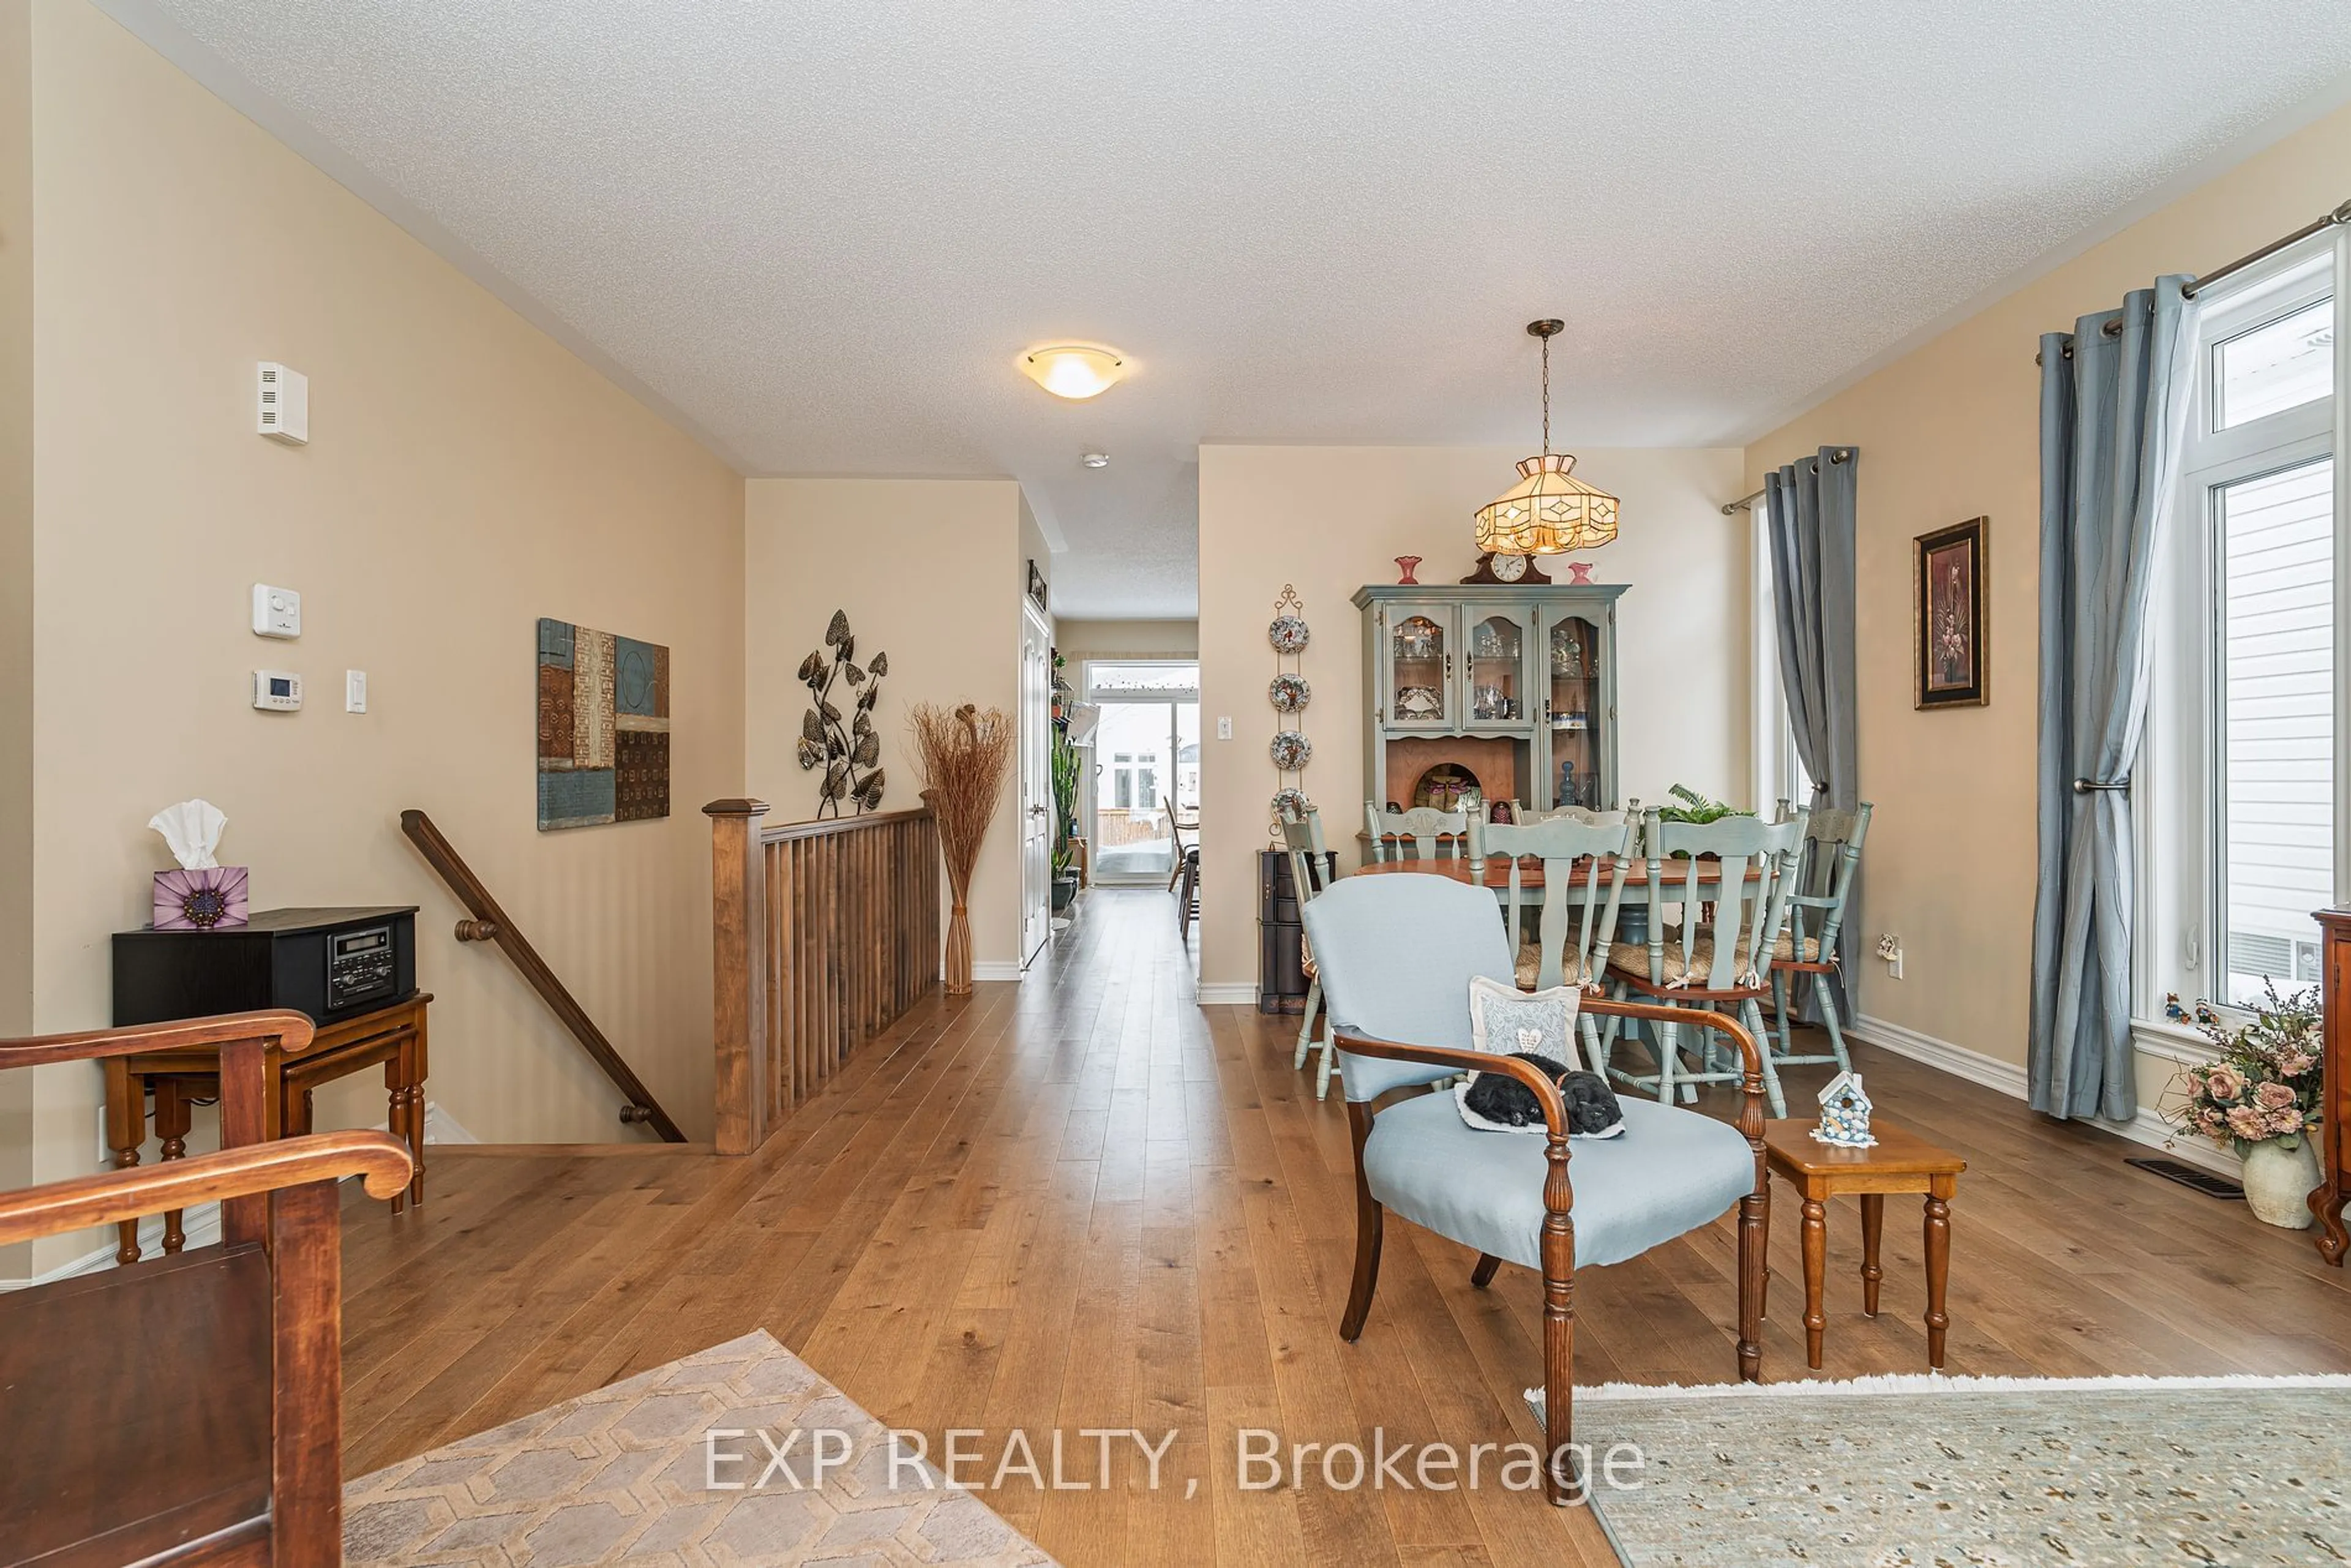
<point>277,612</point>
<point>1224,728</point>
<point>355,691</point>
<point>276,691</point>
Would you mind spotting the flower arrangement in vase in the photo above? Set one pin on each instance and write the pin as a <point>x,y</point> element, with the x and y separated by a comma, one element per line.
<point>2260,1095</point>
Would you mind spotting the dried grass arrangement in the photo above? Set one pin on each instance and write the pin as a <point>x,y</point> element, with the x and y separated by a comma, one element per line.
<point>963,756</point>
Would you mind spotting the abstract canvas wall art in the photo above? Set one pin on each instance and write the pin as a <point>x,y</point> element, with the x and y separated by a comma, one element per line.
<point>603,728</point>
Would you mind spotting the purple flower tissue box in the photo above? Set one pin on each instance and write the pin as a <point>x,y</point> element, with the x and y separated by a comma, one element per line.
<point>203,900</point>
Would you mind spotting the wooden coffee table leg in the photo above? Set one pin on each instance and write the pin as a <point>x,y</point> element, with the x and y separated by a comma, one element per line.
<point>1816,1250</point>
<point>1938,1266</point>
<point>1873,1225</point>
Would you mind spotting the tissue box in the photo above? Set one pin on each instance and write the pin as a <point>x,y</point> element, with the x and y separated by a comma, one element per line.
<point>205,900</point>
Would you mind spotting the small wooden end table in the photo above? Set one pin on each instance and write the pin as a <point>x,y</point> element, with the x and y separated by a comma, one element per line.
<point>392,1036</point>
<point>1900,1161</point>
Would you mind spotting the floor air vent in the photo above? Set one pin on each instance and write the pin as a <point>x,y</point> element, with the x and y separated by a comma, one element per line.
<point>2203,1181</point>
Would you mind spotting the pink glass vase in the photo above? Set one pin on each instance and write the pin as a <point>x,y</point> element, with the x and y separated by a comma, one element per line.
<point>1579,571</point>
<point>1404,563</point>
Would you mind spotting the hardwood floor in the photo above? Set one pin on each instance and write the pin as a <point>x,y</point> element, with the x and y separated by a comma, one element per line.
<point>1085,1202</point>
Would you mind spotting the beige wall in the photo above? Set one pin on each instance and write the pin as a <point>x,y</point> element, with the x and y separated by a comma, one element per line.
<point>1126,640</point>
<point>1949,432</point>
<point>1329,519</point>
<point>16,597</point>
<point>943,599</point>
<point>464,477</point>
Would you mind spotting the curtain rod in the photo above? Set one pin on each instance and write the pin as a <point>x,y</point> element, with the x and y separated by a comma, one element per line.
<point>2189,290</point>
<point>1840,454</point>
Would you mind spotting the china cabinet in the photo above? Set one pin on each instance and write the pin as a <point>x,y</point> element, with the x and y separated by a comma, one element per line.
<point>1508,693</point>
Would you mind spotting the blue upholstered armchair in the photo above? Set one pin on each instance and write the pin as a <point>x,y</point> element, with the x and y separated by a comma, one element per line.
<point>1398,953</point>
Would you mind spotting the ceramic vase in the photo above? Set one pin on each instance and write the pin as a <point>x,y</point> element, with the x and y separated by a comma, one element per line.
<point>2278,1182</point>
<point>1405,564</point>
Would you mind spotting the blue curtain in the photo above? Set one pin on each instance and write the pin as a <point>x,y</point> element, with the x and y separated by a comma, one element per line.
<point>1810,514</point>
<point>2114,409</point>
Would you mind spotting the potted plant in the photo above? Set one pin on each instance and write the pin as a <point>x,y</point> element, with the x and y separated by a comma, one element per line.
<point>2259,1096</point>
<point>1065,816</point>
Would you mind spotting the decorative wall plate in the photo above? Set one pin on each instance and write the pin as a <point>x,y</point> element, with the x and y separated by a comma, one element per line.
<point>1293,802</point>
<point>1290,693</point>
<point>1290,750</point>
<point>1288,634</point>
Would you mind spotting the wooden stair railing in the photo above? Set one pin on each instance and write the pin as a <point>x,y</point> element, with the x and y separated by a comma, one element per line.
<point>490,924</point>
<point>823,932</point>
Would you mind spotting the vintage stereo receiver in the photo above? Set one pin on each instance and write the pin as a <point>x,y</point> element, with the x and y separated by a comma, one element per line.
<point>329,963</point>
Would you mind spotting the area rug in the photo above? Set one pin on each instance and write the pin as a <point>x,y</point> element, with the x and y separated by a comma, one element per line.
<point>1956,1472</point>
<point>622,1474</point>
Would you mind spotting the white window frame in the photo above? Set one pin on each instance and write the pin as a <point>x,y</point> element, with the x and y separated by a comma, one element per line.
<point>2177,782</point>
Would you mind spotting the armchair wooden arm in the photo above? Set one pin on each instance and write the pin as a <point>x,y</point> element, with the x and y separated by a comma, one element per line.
<point>110,1196</point>
<point>246,1103</point>
<point>282,1026</point>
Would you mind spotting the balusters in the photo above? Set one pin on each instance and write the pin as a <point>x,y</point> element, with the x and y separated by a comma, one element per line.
<point>825,932</point>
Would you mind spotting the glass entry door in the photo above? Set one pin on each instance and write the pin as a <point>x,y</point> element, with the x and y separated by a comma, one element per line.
<point>1146,755</point>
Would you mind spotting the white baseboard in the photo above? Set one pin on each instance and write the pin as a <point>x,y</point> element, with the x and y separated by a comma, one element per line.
<point>1227,993</point>
<point>2008,1078</point>
<point>995,969</point>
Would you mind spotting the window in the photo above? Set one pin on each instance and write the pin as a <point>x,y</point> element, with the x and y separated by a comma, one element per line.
<point>2240,782</point>
<point>1779,771</point>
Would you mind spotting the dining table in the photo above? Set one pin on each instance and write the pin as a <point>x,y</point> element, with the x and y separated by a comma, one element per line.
<point>1675,882</point>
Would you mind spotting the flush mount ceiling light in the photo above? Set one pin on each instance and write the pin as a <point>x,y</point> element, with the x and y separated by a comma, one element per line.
<point>1549,512</point>
<point>1093,459</point>
<point>1074,370</point>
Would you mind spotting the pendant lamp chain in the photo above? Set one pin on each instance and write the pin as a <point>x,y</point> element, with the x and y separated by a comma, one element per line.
<point>1546,392</point>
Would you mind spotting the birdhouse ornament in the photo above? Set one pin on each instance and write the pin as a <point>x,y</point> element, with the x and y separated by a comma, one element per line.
<point>1845,1113</point>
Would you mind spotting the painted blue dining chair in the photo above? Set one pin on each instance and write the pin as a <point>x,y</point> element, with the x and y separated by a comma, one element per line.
<point>1716,961</point>
<point>1397,955</point>
<point>1567,942</point>
<point>1310,870</point>
<point>1425,831</point>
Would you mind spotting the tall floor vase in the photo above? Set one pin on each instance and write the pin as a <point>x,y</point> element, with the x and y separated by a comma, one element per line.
<point>956,976</point>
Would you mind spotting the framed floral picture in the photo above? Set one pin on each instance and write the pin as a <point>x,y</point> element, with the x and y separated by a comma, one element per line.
<point>1947,616</point>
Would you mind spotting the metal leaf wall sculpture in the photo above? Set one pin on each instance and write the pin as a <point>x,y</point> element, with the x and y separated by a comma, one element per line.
<point>848,752</point>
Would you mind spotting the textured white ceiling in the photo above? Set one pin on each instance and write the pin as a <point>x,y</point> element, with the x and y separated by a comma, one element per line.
<point>821,232</point>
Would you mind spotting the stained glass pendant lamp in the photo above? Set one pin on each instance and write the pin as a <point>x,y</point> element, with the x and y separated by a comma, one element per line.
<point>1549,512</point>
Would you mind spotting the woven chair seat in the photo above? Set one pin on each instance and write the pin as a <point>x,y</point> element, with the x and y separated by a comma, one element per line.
<point>1530,967</point>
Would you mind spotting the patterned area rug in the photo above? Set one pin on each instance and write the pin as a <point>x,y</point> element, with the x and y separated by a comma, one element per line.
<point>1948,1472</point>
<point>622,1474</point>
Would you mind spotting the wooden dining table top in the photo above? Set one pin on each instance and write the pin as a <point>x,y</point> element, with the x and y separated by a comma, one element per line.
<point>1670,874</point>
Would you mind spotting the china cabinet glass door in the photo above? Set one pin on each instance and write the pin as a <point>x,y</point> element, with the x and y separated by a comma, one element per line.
<point>1420,667</point>
<point>1578,713</point>
<point>1497,692</point>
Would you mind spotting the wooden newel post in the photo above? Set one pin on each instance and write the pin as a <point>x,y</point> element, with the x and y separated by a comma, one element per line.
<point>738,961</point>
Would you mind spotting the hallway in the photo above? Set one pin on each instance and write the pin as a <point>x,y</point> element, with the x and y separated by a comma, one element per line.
<point>1083,1201</point>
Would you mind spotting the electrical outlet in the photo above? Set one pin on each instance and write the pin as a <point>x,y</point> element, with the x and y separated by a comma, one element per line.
<point>1224,728</point>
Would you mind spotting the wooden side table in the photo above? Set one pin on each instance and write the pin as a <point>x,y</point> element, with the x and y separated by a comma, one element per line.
<point>1900,1161</point>
<point>390,1037</point>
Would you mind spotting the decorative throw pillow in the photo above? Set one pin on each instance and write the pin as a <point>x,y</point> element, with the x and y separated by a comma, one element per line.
<point>1504,1019</point>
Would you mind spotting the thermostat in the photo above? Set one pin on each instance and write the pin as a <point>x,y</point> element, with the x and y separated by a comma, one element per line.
<point>276,691</point>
